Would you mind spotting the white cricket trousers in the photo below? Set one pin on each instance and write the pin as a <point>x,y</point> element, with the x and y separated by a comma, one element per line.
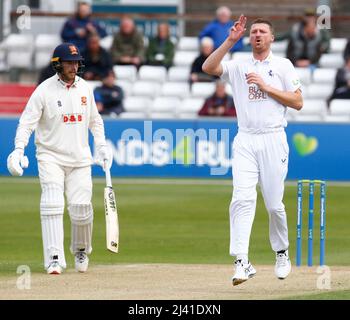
<point>76,183</point>
<point>258,158</point>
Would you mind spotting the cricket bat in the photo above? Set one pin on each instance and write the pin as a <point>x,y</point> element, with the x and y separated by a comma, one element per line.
<point>111,213</point>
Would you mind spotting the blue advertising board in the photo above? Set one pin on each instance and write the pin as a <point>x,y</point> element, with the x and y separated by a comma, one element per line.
<point>201,148</point>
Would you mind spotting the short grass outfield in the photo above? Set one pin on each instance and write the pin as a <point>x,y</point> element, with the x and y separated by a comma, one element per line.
<point>166,221</point>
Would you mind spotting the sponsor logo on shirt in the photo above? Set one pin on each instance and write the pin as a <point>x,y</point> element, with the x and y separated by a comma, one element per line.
<point>59,103</point>
<point>295,82</point>
<point>255,94</point>
<point>72,118</point>
<point>83,101</point>
<point>270,73</point>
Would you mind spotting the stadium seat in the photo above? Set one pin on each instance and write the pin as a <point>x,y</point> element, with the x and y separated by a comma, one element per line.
<point>336,118</point>
<point>185,58</point>
<point>165,104</point>
<point>187,115</point>
<point>188,44</point>
<point>202,89</point>
<point>190,105</point>
<point>125,85</point>
<point>137,104</point>
<point>154,73</point>
<point>106,42</point>
<point>279,46</point>
<point>324,75</point>
<point>304,75</point>
<point>19,49</point>
<point>133,115</point>
<point>337,45</point>
<point>331,60</point>
<point>178,73</point>
<point>175,89</point>
<point>44,46</point>
<point>14,97</point>
<point>128,72</point>
<point>145,88</point>
<point>241,55</point>
<point>161,115</point>
<point>308,118</point>
<point>94,84</point>
<point>3,62</point>
<point>319,91</point>
<point>339,107</point>
<point>314,107</point>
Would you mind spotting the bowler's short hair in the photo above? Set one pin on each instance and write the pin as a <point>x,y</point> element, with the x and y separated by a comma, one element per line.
<point>265,21</point>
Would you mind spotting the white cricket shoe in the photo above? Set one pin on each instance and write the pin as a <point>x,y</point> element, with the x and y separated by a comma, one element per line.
<point>54,266</point>
<point>81,261</point>
<point>283,265</point>
<point>243,272</point>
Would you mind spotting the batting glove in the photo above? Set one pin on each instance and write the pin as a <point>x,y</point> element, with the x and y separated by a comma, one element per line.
<point>103,156</point>
<point>16,162</point>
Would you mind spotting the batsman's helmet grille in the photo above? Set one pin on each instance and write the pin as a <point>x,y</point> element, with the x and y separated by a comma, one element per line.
<point>66,52</point>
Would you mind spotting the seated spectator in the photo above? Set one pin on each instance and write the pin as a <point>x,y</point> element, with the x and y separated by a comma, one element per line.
<point>197,74</point>
<point>109,97</point>
<point>307,42</point>
<point>97,60</point>
<point>220,104</point>
<point>218,29</point>
<point>161,49</point>
<point>45,73</point>
<point>347,50</point>
<point>342,83</point>
<point>78,28</point>
<point>343,74</point>
<point>128,45</point>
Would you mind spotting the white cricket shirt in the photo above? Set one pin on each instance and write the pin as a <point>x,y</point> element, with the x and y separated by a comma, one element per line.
<point>256,111</point>
<point>61,116</point>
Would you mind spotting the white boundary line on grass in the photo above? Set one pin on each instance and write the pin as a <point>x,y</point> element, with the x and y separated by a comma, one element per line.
<point>162,181</point>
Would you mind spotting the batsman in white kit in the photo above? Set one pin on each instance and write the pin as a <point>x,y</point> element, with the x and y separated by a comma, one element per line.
<point>61,111</point>
<point>263,86</point>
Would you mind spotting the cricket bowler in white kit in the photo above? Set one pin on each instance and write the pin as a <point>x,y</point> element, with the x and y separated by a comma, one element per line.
<point>61,110</point>
<point>263,87</point>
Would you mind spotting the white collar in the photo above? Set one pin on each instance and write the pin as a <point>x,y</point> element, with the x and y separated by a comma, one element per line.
<point>266,60</point>
<point>65,84</point>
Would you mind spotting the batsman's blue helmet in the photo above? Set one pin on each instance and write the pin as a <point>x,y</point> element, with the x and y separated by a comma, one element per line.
<point>66,52</point>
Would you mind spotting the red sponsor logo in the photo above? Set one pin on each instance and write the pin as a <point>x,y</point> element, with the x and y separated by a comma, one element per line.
<point>72,118</point>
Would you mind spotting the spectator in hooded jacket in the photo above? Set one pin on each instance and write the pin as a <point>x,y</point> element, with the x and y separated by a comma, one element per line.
<point>78,28</point>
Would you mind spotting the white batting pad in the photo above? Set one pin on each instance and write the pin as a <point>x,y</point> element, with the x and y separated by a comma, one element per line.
<point>51,211</point>
<point>81,216</point>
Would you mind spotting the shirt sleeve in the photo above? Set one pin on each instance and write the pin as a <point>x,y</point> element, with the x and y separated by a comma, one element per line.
<point>290,77</point>
<point>225,76</point>
<point>29,119</point>
<point>96,124</point>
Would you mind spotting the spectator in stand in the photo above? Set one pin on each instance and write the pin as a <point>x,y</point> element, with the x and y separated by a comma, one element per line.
<point>97,60</point>
<point>197,74</point>
<point>343,74</point>
<point>342,82</point>
<point>347,50</point>
<point>128,46</point>
<point>220,104</point>
<point>161,49</point>
<point>109,97</point>
<point>219,29</point>
<point>46,73</point>
<point>77,29</point>
<point>307,42</point>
